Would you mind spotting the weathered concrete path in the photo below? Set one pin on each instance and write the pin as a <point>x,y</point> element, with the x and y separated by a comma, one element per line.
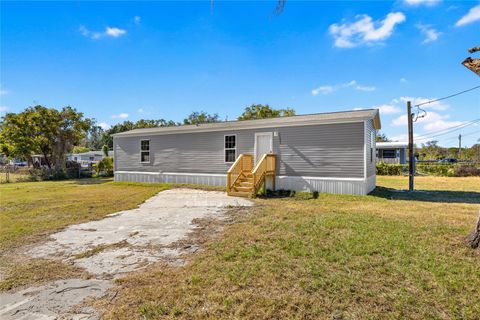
<point>123,242</point>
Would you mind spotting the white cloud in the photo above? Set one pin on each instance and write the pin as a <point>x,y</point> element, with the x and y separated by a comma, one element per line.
<point>3,109</point>
<point>403,80</point>
<point>388,109</point>
<point>104,125</point>
<point>122,115</point>
<point>437,105</point>
<point>429,32</point>
<point>365,30</point>
<point>109,32</point>
<point>137,20</point>
<point>323,90</point>
<point>115,32</point>
<point>431,122</point>
<point>402,137</point>
<point>326,89</point>
<point>421,2</point>
<point>365,88</point>
<point>472,16</point>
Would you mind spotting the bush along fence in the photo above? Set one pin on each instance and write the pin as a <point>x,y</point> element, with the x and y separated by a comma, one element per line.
<point>443,170</point>
<point>73,170</point>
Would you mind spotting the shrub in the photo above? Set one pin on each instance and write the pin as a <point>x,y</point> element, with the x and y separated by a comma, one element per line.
<point>467,171</point>
<point>385,169</point>
<point>432,169</point>
<point>105,167</point>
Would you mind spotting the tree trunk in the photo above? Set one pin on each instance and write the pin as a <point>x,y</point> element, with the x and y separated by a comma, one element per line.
<point>474,239</point>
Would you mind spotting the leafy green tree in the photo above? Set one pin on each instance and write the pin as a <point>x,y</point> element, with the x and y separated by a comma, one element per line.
<point>259,111</point>
<point>201,117</point>
<point>80,149</point>
<point>42,130</point>
<point>382,137</point>
<point>431,151</point>
<point>93,139</point>
<point>107,138</point>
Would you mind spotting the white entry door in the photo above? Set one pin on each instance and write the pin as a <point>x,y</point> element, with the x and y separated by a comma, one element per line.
<point>263,144</point>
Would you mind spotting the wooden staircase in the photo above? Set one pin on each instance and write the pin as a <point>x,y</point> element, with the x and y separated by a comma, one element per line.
<point>245,181</point>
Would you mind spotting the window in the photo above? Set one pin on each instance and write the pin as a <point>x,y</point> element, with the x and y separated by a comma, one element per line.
<point>230,148</point>
<point>145,151</point>
<point>92,158</point>
<point>389,154</point>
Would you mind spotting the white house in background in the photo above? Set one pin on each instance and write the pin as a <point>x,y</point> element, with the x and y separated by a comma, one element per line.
<point>88,158</point>
<point>392,152</point>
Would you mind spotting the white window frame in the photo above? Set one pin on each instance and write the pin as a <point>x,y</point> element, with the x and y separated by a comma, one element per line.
<point>225,148</point>
<point>149,158</point>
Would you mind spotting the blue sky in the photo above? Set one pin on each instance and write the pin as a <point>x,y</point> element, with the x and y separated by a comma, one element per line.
<point>124,60</point>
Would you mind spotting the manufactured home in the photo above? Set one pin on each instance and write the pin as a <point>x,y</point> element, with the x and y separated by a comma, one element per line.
<point>392,152</point>
<point>86,159</point>
<point>325,152</point>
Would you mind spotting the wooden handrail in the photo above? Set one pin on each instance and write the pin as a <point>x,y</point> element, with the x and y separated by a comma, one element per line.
<point>265,167</point>
<point>240,167</point>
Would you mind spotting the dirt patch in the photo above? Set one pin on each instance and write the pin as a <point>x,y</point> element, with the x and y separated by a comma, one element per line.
<point>123,242</point>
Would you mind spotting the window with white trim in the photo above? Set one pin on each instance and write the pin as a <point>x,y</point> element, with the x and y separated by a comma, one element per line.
<point>145,151</point>
<point>389,154</point>
<point>230,145</point>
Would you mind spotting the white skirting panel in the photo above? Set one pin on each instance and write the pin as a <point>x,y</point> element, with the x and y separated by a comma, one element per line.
<point>172,177</point>
<point>322,185</point>
<point>371,183</point>
<point>307,184</point>
<point>130,176</point>
<point>218,180</point>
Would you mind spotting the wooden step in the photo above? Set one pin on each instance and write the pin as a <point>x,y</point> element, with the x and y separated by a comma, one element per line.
<point>243,189</point>
<point>245,184</point>
<point>243,179</point>
<point>240,194</point>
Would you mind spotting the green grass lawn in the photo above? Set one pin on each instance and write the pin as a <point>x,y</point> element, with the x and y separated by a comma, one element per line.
<point>389,255</point>
<point>32,209</point>
<point>382,256</point>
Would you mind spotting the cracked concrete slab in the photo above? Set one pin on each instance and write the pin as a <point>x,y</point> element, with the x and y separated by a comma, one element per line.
<point>159,221</point>
<point>122,242</point>
<point>51,300</point>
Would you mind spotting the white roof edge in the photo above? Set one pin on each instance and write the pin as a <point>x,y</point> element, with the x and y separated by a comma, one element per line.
<point>300,120</point>
<point>393,144</point>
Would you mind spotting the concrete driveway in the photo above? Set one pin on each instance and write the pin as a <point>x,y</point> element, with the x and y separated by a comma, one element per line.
<point>109,248</point>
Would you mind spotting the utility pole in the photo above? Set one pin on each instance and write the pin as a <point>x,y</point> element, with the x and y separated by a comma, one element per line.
<point>459,146</point>
<point>411,168</point>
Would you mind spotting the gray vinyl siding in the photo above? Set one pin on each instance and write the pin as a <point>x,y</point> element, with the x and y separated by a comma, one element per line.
<point>327,150</point>
<point>369,148</point>
<point>403,156</point>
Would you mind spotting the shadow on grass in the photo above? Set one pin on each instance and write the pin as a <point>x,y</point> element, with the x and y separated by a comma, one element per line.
<point>88,181</point>
<point>428,195</point>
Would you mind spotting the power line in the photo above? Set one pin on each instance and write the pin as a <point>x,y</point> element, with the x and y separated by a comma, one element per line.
<point>447,130</point>
<point>455,137</point>
<point>452,128</point>
<point>447,97</point>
